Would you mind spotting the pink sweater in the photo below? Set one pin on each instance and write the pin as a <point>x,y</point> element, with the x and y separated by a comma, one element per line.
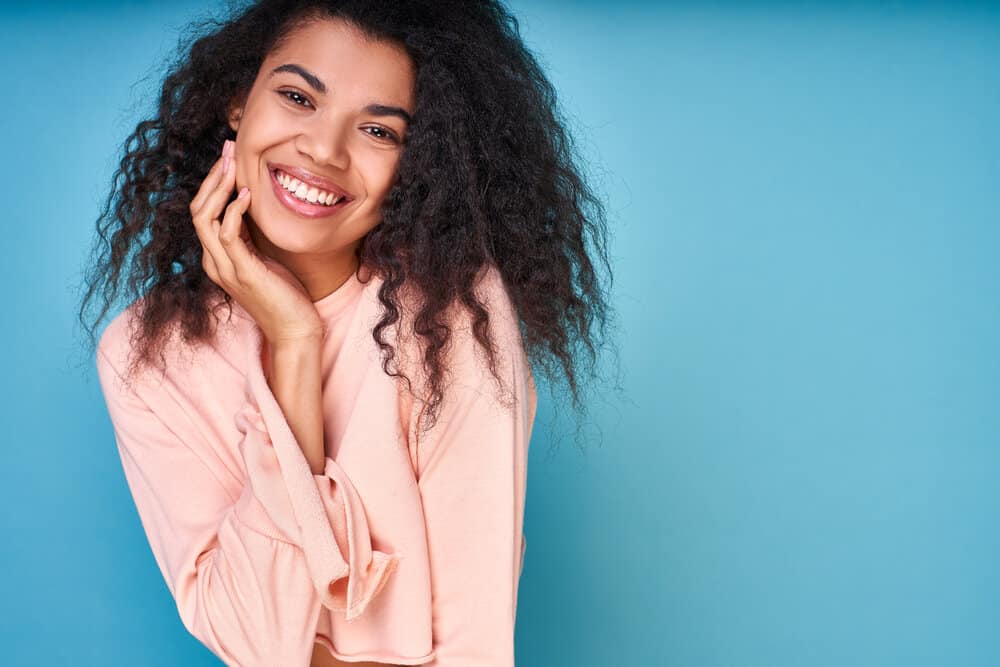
<point>407,549</point>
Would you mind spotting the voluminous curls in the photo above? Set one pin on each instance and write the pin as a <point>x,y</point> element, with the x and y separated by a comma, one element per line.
<point>488,175</point>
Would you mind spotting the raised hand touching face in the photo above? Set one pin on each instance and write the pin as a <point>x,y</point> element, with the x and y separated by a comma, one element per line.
<point>268,291</point>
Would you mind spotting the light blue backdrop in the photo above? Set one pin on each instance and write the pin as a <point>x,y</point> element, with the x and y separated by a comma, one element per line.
<point>805,206</point>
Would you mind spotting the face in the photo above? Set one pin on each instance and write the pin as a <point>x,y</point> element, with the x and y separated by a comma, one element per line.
<point>325,118</point>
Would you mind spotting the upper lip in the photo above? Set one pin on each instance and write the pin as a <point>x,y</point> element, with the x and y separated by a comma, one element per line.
<point>312,179</point>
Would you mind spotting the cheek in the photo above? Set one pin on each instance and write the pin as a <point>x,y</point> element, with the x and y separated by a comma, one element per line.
<point>383,176</point>
<point>250,169</point>
<point>259,128</point>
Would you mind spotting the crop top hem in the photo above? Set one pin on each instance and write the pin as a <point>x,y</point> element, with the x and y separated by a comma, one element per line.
<point>372,657</point>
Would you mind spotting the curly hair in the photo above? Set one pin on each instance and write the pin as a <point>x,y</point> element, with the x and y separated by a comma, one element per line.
<point>489,175</point>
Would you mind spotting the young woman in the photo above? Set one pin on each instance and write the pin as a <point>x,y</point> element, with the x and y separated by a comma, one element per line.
<point>381,202</point>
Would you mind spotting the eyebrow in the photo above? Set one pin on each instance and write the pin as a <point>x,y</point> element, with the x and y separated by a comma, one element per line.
<point>319,86</point>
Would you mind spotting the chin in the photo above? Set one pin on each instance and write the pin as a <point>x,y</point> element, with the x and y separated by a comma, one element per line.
<point>286,234</point>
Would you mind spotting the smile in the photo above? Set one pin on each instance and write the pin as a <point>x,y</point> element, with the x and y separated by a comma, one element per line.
<point>305,200</point>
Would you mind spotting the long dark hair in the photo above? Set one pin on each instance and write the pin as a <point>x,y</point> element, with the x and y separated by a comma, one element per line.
<point>489,175</point>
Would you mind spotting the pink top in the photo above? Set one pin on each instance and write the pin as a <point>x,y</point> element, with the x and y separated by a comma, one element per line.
<point>407,549</point>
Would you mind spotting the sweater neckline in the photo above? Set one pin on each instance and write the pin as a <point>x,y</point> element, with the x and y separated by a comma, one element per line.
<point>329,307</point>
<point>333,304</point>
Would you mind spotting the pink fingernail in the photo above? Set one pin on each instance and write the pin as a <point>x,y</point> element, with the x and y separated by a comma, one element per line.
<point>227,148</point>
<point>244,192</point>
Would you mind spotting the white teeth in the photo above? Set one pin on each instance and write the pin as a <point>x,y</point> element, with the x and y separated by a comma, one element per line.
<point>305,192</point>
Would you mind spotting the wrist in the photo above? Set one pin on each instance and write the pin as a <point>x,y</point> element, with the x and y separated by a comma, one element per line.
<point>291,353</point>
<point>294,374</point>
<point>309,336</point>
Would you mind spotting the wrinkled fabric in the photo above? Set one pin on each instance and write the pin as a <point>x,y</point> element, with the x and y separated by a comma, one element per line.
<point>407,549</point>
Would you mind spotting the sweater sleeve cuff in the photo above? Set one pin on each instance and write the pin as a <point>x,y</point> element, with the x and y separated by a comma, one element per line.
<point>321,513</point>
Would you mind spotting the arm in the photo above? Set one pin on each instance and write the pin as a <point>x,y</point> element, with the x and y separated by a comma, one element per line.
<point>245,563</point>
<point>472,480</point>
<point>294,374</point>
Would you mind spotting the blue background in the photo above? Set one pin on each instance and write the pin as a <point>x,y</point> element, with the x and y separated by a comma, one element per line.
<point>803,468</point>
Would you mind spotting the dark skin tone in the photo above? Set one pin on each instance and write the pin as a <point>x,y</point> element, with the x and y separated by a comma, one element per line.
<point>340,114</point>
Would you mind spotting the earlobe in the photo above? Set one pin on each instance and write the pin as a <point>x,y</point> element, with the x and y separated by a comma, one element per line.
<point>235,113</point>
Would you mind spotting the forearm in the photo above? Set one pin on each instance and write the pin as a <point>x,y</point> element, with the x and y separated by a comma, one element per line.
<point>293,372</point>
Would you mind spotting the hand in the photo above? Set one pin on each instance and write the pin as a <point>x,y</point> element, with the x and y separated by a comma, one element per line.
<point>267,290</point>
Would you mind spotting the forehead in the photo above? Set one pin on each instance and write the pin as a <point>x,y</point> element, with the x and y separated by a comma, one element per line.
<point>350,63</point>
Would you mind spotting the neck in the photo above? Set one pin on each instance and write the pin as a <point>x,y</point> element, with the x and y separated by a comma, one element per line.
<point>319,273</point>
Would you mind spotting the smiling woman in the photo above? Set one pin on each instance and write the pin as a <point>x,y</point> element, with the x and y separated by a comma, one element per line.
<point>384,197</point>
<point>292,122</point>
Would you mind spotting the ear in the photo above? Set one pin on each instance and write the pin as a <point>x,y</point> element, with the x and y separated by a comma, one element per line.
<point>234,115</point>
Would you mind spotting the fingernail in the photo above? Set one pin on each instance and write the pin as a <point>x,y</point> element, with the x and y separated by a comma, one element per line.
<point>244,191</point>
<point>227,148</point>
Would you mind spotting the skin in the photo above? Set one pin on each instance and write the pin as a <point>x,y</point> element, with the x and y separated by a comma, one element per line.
<point>274,262</point>
<point>284,119</point>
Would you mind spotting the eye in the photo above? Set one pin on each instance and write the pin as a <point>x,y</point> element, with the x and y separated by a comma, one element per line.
<point>383,133</point>
<point>294,96</point>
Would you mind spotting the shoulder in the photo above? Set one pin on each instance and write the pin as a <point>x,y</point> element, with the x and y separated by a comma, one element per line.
<point>495,369</point>
<point>491,290</point>
<point>463,351</point>
<point>487,395</point>
<point>113,357</point>
<point>115,343</point>
<point>466,354</point>
<point>173,358</point>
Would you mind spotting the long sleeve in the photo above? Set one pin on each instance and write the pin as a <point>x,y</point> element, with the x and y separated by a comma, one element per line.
<point>246,564</point>
<point>472,480</point>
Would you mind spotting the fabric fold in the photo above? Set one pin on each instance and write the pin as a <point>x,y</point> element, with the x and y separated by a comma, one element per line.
<point>369,568</point>
<point>267,560</point>
<point>322,513</point>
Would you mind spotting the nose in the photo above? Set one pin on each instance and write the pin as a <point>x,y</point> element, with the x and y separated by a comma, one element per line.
<point>325,140</point>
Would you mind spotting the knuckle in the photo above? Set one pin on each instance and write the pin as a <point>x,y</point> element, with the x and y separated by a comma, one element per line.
<point>229,277</point>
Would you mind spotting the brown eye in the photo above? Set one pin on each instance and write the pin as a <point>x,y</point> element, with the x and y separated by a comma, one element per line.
<point>382,133</point>
<point>294,96</point>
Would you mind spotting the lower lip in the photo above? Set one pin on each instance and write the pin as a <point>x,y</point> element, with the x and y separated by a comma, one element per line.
<point>300,207</point>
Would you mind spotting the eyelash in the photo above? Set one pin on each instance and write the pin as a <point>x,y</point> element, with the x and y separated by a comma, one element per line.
<point>389,134</point>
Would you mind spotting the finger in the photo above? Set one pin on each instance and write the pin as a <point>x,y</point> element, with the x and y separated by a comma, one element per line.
<point>208,184</point>
<point>215,202</point>
<point>209,267</point>
<point>208,225</point>
<point>244,262</point>
<point>214,260</point>
<point>203,228</point>
<point>248,240</point>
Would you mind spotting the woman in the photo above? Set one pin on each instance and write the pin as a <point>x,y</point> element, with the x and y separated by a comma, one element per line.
<point>383,196</point>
